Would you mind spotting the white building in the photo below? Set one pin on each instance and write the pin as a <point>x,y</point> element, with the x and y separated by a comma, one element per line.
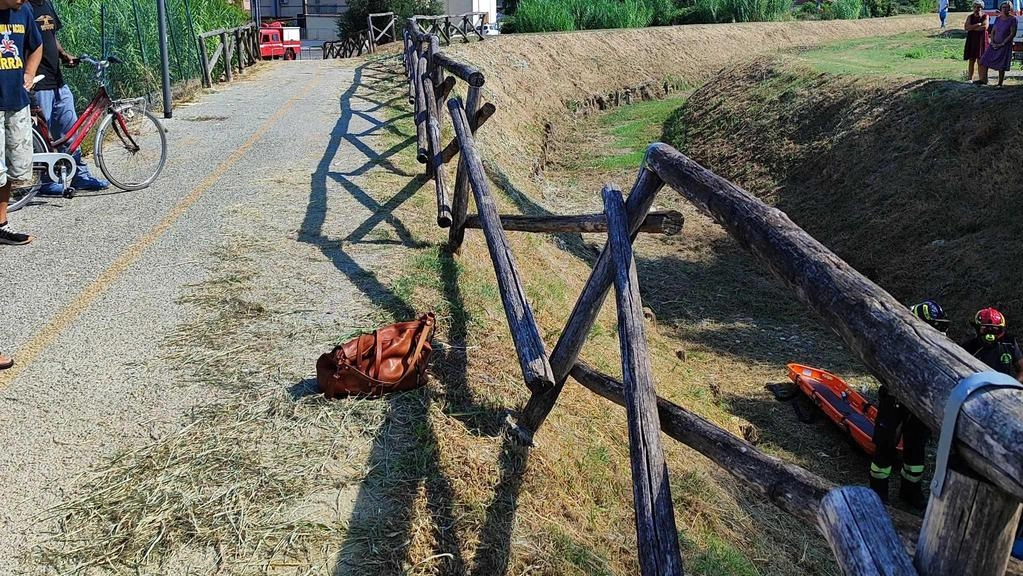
<point>463,6</point>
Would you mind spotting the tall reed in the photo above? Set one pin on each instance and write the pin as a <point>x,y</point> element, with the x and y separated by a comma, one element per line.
<point>564,15</point>
<point>128,28</point>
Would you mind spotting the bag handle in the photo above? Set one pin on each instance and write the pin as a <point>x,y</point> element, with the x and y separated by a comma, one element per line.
<point>425,324</point>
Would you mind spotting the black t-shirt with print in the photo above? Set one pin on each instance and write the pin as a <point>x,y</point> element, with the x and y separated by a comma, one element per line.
<point>1003,356</point>
<point>49,24</point>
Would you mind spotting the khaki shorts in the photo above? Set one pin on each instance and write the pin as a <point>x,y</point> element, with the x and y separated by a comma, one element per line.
<point>16,148</point>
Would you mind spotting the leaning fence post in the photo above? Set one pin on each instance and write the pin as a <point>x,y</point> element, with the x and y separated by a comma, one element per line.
<point>460,198</point>
<point>227,55</point>
<point>657,536</point>
<point>856,526</point>
<point>437,73</point>
<point>968,529</point>
<point>585,312</point>
<point>528,345</point>
<point>422,153</point>
<point>436,165</point>
<point>241,55</point>
<point>204,63</point>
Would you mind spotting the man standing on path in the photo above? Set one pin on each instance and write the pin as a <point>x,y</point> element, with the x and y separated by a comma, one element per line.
<point>21,51</point>
<point>54,96</point>
<point>943,12</point>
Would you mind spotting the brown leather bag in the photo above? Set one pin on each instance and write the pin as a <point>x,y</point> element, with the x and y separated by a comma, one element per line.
<point>389,359</point>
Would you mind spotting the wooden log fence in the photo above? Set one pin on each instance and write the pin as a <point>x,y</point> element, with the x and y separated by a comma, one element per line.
<point>468,26</point>
<point>348,47</point>
<point>967,530</point>
<point>233,49</point>
<point>381,29</point>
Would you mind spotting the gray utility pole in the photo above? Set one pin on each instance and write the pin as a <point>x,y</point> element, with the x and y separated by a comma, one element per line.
<point>161,14</point>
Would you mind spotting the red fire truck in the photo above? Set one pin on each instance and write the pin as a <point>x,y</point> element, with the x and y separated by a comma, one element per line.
<point>279,41</point>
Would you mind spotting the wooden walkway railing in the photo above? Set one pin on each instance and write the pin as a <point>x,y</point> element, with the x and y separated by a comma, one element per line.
<point>448,26</point>
<point>380,29</point>
<point>968,529</point>
<point>237,48</point>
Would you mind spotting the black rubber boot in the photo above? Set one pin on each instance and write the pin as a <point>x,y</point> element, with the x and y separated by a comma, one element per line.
<point>912,493</point>
<point>880,486</point>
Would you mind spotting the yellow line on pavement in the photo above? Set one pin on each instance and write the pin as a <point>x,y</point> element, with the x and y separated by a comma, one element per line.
<point>27,354</point>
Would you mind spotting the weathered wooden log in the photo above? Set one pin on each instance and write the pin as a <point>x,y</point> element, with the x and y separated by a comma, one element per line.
<point>422,143</point>
<point>228,55</point>
<point>442,92</point>
<point>528,344</point>
<point>437,72</point>
<point>584,314</point>
<point>241,55</point>
<point>794,490</point>
<point>918,364</point>
<point>464,72</point>
<point>411,63</point>
<point>433,128</point>
<point>204,64</point>
<point>969,529</point>
<point>788,486</point>
<point>856,526</point>
<point>482,115</point>
<point>657,536</point>
<point>460,201</point>
<point>668,223</point>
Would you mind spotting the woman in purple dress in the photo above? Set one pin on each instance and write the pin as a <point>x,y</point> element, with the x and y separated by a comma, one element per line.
<point>976,36</point>
<point>999,52</point>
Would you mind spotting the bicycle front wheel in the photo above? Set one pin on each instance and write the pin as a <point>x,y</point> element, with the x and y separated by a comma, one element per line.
<point>131,148</point>
<point>22,196</point>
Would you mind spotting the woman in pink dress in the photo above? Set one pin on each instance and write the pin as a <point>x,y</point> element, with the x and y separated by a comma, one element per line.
<point>999,52</point>
<point>976,36</point>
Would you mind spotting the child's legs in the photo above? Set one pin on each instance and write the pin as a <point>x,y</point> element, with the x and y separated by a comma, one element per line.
<point>5,186</point>
<point>18,138</point>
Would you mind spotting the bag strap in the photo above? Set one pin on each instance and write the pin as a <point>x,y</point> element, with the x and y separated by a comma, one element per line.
<point>425,327</point>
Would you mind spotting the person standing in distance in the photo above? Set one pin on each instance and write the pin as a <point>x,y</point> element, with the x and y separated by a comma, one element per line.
<point>54,97</point>
<point>21,50</point>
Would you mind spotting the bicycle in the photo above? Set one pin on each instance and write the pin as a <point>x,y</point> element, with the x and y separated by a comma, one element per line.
<point>130,147</point>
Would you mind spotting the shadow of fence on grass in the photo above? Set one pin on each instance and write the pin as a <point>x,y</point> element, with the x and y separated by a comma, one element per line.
<point>405,471</point>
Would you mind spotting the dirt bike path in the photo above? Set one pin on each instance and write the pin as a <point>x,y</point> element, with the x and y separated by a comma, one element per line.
<point>92,301</point>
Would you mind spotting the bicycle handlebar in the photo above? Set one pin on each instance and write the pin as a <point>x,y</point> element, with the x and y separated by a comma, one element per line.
<point>111,59</point>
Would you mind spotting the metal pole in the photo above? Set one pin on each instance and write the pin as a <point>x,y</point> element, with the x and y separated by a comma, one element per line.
<point>161,16</point>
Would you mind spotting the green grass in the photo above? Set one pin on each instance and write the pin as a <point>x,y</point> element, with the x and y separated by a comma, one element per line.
<point>632,129</point>
<point>914,54</point>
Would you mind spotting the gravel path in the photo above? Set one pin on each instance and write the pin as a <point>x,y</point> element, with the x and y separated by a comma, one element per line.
<point>95,293</point>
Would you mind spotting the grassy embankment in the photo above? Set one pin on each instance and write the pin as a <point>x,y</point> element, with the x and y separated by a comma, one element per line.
<point>882,152</point>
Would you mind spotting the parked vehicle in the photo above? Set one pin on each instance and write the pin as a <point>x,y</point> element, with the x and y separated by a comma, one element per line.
<point>490,30</point>
<point>279,41</point>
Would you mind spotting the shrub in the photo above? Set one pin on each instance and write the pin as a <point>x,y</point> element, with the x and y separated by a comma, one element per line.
<point>879,8</point>
<point>842,10</point>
